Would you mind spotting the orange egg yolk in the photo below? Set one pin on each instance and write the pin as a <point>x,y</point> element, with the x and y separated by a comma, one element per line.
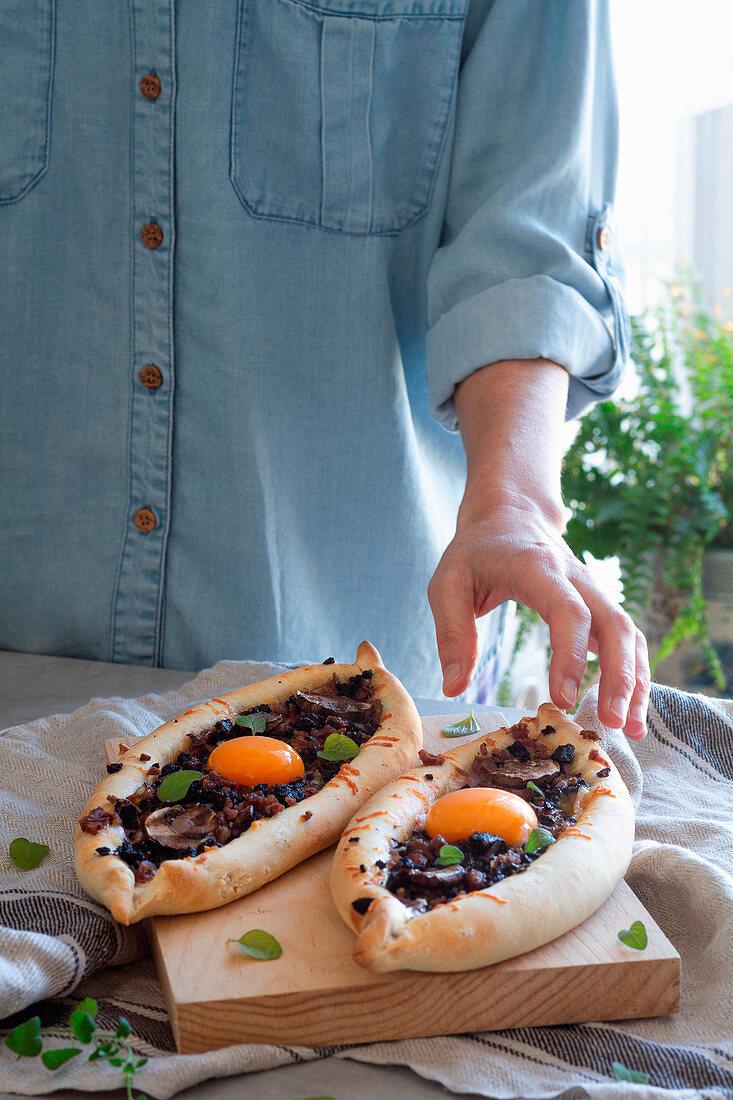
<point>256,759</point>
<point>481,810</point>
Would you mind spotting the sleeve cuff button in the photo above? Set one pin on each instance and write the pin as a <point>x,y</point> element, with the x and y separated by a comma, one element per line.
<point>604,238</point>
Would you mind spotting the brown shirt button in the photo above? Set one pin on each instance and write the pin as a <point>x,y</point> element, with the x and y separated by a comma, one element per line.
<point>151,377</point>
<point>152,235</point>
<point>604,238</point>
<point>150,86</point>
<point>145,520</point>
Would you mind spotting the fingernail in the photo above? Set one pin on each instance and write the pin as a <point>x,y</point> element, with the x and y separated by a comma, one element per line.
<point>569,692</point>
<point>636,736</point>
<point>637,713</point>
<point>637,716</point>
<point>450,675</point>
<point>617,707</point>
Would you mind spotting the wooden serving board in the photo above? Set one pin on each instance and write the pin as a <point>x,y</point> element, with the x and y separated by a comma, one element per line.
<point>316,995</point>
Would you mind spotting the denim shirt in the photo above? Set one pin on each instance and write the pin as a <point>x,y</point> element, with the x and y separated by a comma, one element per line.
<point>248,248</point>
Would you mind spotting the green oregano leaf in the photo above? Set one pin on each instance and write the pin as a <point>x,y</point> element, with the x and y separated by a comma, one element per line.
<point>259,944</point>
<point>175,786</point>
<point>25,1038</point>
<point>26,854</point>
<point>539,838</point>
<point>52,1059</point>
<point>462,727</point>
<point>338,746</point>
<point>635,936</point>
<point>623,1073</point>
<point>123,1029</point>
<point>448,855</point>
<point>255,722</point>
<point>537,790</point>
<point>88,1005</point>
<point>82,1024</point>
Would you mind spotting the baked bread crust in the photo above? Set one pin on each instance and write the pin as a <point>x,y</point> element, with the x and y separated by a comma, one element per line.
<point>270,846</point>
<point>558,891</point>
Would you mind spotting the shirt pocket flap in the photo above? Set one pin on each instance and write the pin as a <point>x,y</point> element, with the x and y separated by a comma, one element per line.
<point>340,111</point>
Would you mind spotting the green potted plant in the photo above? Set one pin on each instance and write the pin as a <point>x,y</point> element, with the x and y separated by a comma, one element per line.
<point>649,479</point>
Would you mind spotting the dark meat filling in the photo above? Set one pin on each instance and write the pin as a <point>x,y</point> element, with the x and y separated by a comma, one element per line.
<point>416,878</point>
<point>303,721</point>
<point>95,820</point>
<point>413,872</point>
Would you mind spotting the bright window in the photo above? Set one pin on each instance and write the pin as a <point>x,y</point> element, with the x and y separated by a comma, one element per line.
<point>674,62</point>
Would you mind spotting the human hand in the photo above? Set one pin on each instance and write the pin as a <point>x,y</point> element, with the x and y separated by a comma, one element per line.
<point>512,550</point>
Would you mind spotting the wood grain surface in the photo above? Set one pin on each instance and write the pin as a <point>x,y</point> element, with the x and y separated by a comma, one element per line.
<point>316,995</point>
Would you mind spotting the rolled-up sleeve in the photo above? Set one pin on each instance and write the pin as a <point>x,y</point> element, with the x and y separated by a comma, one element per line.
<point>527,265</point>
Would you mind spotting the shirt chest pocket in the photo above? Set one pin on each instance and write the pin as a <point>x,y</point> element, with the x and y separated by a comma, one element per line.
<point>340,109</point>
<point>26,74</point>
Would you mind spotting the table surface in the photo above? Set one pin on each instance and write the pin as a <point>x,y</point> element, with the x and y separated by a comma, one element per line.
<point>35,686</point>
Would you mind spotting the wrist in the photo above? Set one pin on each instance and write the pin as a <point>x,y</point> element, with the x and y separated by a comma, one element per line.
<point>484,500</point>
<point>511,418</point>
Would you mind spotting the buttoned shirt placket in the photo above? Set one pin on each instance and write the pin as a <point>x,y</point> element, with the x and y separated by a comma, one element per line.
<point>138,606</point>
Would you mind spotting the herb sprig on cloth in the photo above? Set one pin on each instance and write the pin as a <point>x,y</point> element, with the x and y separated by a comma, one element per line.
<point>25,1041</point>
<point>26,854</point>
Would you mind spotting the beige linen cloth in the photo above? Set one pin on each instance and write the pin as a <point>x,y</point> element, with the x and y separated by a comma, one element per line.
<point>57,946</point>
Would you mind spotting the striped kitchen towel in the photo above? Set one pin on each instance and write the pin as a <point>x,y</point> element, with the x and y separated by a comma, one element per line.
<point>682,869</point>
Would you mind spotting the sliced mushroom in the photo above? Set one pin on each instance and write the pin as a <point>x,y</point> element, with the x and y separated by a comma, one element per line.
<point>333,704</point>
<point>487,771</point>
<point>518,773</point>
<point>181,826</point>
<point>437,876</point>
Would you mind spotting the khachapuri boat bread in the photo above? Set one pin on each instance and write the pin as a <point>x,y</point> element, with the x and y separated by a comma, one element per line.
<point>486,851</point>
<point>235,791</point>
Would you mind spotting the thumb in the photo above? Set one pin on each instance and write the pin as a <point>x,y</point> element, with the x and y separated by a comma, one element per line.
<point>451,602</point>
